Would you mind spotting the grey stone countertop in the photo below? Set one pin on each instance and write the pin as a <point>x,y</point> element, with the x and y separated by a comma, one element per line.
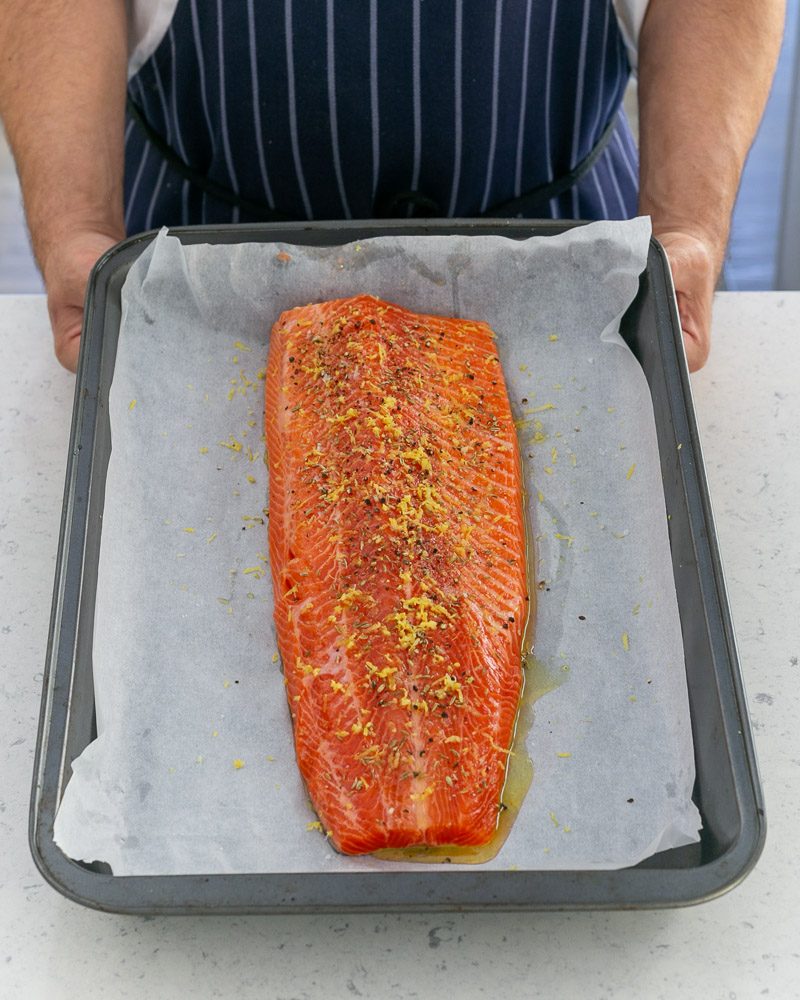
<point>743,945</point>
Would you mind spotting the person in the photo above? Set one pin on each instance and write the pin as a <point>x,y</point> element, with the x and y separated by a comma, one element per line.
<point>301,109</point>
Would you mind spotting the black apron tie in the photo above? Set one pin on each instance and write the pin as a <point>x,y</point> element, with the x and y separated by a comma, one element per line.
<point>405,204</point>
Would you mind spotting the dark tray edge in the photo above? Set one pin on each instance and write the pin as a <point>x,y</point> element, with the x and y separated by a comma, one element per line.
<point>684,887</point>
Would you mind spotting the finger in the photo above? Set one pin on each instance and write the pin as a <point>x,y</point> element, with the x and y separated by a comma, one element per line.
<point>67,323</point>
<point>65,279</point>
<point>67,353</point>
<point>695,317</point>
<point>693,274</point>
<point>696,353</point>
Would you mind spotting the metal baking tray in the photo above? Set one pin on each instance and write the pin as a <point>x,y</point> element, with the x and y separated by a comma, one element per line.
<point>727,789</point>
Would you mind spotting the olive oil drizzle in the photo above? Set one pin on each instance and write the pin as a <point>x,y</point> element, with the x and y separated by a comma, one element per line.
<point>537,680</point>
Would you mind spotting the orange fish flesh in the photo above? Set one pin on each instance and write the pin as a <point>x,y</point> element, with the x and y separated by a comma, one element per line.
<point>397,550</point>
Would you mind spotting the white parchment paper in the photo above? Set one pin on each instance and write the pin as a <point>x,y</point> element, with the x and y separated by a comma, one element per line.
<point>194,769</point>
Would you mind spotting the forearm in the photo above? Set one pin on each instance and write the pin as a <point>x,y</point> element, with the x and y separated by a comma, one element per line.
<point>62,100</point>
<point>705,69</point>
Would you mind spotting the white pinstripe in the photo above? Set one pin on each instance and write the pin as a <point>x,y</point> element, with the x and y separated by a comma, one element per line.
<point>373,93</point>
<point>135,186</point>
<point>612,173</point>
<point>624,152</point>
<point>223,112</point>
<point>148,221</point>
<point>293,108</point>
<point>623,66</point>
<point>178,136</point>
<point>600,194</point>
<point>168,127</point>
<point>262,164</point>
<point>498,17</point>
<point>337,163</point>
<point>162,98</point>
<point>128,130</point>
<point>202,72</point>
<point>415,72</point>
<point>607,159</point>
<point>625,140</point>
<point>633,160</point>
<point>203,99</point>
<point>457,102</point>
<point>142,95</point>
<point>630,145</point>
<point>576,132</point>
<point>522,103</point>
<point>597,117</point>
<point>547,93</point>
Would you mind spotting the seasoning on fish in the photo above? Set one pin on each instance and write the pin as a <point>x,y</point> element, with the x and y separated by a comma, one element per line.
<point>397,549</point>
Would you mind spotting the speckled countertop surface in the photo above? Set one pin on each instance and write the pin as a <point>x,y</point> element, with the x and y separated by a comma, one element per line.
<point>745,944</point>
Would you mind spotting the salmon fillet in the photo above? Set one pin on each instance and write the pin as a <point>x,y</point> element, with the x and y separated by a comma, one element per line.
<point>397,550</point>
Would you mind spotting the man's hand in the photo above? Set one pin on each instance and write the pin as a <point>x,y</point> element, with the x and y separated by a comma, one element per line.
<point>705,68</point>
<point>66,271</point>
<point>695,269</point>
<point>62,101</point>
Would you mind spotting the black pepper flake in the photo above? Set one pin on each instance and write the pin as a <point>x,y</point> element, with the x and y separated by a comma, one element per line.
<point>581,618</point>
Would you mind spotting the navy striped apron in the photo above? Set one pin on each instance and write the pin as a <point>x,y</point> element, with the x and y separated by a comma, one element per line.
<point>330,109</point>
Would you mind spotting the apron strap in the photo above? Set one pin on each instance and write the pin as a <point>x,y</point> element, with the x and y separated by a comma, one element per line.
<point>411,204</point>
<point>540,195</point>
<point>196,177</point>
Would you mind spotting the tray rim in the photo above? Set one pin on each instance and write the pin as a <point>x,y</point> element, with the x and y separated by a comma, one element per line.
<point>627,888</point>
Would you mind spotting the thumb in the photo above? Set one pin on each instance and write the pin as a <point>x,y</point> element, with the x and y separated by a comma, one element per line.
<point>66,320</point>
<point>694,267</point>
<point>66,273</point>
